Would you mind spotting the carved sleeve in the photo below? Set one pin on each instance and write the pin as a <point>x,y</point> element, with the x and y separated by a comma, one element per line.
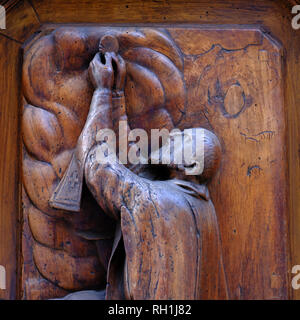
<point>109,183</point>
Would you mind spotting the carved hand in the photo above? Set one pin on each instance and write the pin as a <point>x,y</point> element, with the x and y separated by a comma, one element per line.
<point>101,71</point>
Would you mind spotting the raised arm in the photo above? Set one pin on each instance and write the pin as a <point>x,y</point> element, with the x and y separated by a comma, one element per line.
<point>101,74</point>
<point>67,194</point>
<point>112,184</point>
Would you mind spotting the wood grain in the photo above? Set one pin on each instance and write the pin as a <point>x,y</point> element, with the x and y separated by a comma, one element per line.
<point>204,11</point>
<point>275,17</point>
<point>240,93</point>
<point>10,161</point>
<point>293,141</point>
<point>21,20</point>
<point>232,86</point>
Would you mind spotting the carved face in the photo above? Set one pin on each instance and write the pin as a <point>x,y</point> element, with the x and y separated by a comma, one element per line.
<point>201,164</point>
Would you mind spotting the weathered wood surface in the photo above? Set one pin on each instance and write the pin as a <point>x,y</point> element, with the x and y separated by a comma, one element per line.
<point>21,20</point>
<point>233,86</point>
<point>274,16</point>
<point>9,168</point>
<point>241,93</point>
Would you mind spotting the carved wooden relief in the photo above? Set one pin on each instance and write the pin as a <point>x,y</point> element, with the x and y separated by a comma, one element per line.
<point>141,233</point>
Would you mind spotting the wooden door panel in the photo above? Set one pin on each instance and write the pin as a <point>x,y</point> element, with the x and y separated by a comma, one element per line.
<point>233,87</point>
<point>240,68</point>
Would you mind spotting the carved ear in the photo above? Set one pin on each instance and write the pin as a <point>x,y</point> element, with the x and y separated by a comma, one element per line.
<point>212,155</point>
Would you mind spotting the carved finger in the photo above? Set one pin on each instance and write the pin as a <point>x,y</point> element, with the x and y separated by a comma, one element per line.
<point>121,70</point>
<point>108,60</point>
<point>96,61</point>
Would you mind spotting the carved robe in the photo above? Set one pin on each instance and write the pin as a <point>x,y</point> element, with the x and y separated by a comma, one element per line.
<point>167,245</point>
